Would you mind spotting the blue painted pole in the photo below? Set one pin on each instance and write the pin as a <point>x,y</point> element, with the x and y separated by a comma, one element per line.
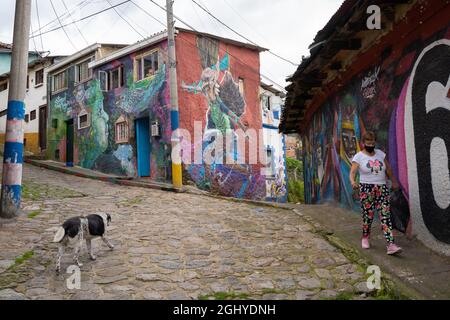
<point>13,152</point>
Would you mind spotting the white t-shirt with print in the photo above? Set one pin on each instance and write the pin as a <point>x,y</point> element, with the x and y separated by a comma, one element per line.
<point>372,169</point>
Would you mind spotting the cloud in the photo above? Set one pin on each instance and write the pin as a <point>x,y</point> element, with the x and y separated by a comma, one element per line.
<point>287,27</point>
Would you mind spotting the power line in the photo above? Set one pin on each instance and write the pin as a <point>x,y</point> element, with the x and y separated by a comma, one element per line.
<point>239,34</point>
<point>79,31</point>
<point>34,42</point>
<point>54,10</point>
<point>192,28</point>
<point>84,18</point>
<point>125,20</point>
<point>39,24</point>
<point>245,21</point>
<point>150,15</point>
<point>62,16</point>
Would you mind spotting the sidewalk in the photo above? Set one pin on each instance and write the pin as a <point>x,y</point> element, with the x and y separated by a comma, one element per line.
<point>417,266</point>
<point>96,175</point>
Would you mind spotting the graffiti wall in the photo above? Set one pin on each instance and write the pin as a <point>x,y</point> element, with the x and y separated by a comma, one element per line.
<point>405,98</point>
<point>219,88</point>
<point>114,106</point>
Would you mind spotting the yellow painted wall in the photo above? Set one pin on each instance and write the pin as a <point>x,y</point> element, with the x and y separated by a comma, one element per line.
<point>32,144</point>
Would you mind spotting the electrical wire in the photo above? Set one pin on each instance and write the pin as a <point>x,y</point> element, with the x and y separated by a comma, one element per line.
<point>125,20</point>
<point>84,18</point>
<point>39,24</point>
<point>54,10</point>
<point>239,34</point>
<point>150,15</point>
<point>62,17</point>
<point>79,31</point>
<point>192,28</point>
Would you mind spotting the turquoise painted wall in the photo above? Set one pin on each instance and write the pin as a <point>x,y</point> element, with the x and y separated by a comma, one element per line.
<point>5,60</point>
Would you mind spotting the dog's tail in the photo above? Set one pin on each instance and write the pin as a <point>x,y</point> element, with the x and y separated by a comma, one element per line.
<point>59,234</point>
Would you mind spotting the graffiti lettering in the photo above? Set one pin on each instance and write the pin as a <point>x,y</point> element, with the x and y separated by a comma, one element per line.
<point>428,116</point>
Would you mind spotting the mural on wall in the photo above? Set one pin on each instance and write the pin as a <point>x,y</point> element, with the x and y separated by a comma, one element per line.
<point>96,146</point>
<point>226,105</point>
<point>276,187</point>
<point>410,112</point>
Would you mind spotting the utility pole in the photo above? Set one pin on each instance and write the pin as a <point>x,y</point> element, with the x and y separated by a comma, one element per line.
<point>13,152</point>
<point>177,179</point>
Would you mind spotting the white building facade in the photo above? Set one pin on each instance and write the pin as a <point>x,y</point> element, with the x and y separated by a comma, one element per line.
<point>276,181</point>
<point>35,126</point>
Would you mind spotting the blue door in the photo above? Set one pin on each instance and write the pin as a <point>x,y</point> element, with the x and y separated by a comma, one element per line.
<point>143,146</point>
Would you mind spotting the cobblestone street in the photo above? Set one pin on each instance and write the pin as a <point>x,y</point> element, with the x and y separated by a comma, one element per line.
<point>167,246</point>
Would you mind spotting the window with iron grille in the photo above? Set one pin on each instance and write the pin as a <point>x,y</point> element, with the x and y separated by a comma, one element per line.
<point>122,130</point>
<point>32,115</point>
<point>84,119</point>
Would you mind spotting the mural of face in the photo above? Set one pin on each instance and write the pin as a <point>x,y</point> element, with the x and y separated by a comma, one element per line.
<point>349,143</point>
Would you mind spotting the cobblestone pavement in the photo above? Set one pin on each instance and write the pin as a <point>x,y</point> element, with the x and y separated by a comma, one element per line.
<point>167,246</point>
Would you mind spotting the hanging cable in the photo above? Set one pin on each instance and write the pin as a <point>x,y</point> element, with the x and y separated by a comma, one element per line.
<point>54,10</point>
<point>79,31</point>
<point>239,34</point>
<point>39,24</point>
<point>125,20</point>
<point>83,18</point>
<point>80,5</point>
<point>151,16</point>
<point>192,28</point>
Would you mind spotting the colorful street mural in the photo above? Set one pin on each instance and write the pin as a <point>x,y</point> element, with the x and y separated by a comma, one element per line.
<point>95,147</point>
<point>407,103</point>
<point>225,108</point>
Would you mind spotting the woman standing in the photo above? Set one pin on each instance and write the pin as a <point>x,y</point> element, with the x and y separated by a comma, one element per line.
<point>374,169</point>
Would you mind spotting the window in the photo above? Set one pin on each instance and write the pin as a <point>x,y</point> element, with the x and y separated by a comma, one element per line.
<point>27,118</point>
<point>116,79</point>
<point>32,115</point>
<point>241,86</point>
<point>111,80</point>
<point>276,115</point>
<point>39,77</point>
<point>28,82</point>
<point>265,102</point>
<point>82,72</point>
<point>84,119</point>
<point>3,86</point>
<point>122,130</point>
<point>270,161</point>
<point>146,65</point>
<point>103,78</point>
<point>60,81</point>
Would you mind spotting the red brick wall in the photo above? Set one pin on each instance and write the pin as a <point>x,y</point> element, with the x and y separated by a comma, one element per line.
<point>243,63</point>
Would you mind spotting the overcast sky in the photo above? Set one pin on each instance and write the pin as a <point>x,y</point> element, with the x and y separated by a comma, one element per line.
<point>287,27</point>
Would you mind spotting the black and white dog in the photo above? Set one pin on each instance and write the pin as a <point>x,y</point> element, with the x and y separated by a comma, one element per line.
<point>89,227</point>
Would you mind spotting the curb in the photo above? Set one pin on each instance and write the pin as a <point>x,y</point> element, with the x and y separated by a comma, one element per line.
<point>248,201</point>
<point>126,181</point>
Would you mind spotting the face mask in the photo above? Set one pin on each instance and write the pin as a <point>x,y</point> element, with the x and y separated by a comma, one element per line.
<point>369,148</point>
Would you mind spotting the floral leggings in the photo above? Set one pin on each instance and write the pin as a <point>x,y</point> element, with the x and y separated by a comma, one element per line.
<point>376,197</point>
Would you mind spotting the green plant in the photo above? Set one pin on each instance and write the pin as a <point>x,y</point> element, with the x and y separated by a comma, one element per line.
<point>21,259</point>
<point>34,213</point>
